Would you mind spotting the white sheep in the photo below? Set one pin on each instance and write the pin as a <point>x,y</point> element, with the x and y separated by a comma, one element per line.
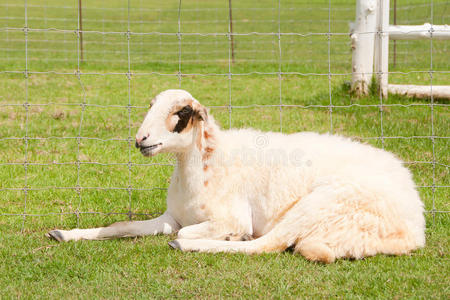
<point>251,191</point>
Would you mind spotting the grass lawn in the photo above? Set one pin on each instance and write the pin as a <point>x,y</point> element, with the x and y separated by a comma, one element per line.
<point>99,161</point>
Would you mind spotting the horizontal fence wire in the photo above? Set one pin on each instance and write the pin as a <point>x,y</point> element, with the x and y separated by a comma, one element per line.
<point>177,72</point>
<point>217,74</point>
<point>73,8</point>
<point>206,34</point>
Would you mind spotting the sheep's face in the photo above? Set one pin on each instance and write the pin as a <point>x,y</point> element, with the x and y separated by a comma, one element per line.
<point>170,123</point>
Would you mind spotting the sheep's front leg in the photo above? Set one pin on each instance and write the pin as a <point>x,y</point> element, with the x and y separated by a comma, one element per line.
<point>196,231</point>
<point>164,224</point>
<point>214,231</point>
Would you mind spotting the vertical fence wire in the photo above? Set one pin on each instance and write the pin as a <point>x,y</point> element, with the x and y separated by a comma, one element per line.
<point>179,44</point>
<point>330,108</point>
<point>7,32</point>
<point>379,35</point>
<point>78,75</point>
<point>130,141</point>
<point>279,66</point>
<point>230,60</point>
<point>27,107</point>
<point>433,189</point>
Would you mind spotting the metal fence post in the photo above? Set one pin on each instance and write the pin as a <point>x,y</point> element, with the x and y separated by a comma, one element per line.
<point>80,28</point>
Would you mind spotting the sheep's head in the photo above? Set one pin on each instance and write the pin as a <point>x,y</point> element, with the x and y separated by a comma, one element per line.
<point>170,123</point>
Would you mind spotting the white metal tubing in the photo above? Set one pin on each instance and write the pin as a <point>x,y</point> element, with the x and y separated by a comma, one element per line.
<point>420,91</point>
<point>415,32</point>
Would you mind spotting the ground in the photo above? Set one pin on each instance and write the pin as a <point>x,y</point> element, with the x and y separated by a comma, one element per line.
<point>115,104</point>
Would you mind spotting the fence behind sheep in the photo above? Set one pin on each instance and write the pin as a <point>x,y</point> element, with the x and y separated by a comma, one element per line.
<point>76,83</point>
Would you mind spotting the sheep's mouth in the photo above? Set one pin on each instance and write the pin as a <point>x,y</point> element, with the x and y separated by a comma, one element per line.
<point>147,150</point>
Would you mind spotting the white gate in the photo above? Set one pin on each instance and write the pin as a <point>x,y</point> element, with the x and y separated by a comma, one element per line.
<point>370,35</point>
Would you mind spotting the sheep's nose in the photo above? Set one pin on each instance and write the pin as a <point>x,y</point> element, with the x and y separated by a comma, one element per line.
<point>139,140</point>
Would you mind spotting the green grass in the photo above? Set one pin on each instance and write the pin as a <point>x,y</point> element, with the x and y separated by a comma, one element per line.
<point>146,267</point>
<point>32,266</point>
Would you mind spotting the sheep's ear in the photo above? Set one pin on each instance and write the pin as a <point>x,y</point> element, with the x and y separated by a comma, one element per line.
<point>200,111</point>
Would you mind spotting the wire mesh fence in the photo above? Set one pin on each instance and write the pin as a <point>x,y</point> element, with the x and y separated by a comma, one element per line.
<point>69,113</point>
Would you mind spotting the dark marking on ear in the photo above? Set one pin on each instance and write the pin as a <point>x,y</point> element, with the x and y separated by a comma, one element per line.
<point>199,116</point>
<point>185,115</point>
<point>202,114</point>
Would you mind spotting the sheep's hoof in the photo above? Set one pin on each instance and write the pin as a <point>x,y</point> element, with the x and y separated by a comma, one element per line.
<point>246,237</point>
<point>175,245</point>
<point>55,235</point>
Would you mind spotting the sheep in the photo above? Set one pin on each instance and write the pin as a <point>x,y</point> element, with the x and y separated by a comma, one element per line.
<point>243,190</point>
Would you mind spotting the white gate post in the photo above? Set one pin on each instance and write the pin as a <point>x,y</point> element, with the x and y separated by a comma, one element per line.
<point>382,47</point>
<point>363,35</point>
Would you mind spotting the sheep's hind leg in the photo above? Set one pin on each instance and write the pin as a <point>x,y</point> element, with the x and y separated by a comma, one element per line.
<point>315,250</point>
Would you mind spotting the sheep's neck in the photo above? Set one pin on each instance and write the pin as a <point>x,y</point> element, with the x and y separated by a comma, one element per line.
<point>194,165</point>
